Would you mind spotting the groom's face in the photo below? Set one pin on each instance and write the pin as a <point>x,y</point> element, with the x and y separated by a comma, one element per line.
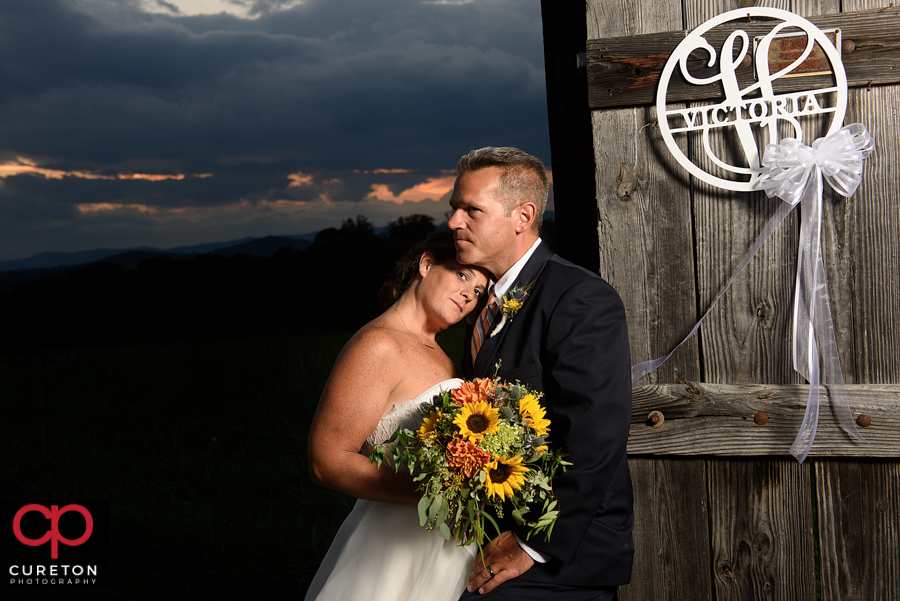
<point>485,234</point>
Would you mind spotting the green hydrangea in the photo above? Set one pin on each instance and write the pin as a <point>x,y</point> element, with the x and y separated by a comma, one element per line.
<point>506,441</point>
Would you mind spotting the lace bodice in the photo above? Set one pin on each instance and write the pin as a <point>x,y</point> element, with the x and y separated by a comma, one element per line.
<point>404,415</point>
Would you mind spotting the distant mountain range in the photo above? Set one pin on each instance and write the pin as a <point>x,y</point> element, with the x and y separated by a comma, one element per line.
<point>130,257</point>
<point>56,264</point>
<point>53,265</point>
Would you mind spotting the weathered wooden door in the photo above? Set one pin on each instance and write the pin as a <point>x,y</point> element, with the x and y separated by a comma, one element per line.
<point>722,510</point>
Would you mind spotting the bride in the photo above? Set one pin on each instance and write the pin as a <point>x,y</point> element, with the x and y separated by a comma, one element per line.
<point>380,377</point>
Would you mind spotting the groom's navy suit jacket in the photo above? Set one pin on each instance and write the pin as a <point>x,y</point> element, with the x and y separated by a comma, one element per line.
<point>570,341</point>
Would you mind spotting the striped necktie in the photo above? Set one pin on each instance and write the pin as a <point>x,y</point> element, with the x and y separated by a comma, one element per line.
<point>482,326</point>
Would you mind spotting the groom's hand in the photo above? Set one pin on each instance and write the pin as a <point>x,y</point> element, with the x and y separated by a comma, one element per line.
<point>504,557</point>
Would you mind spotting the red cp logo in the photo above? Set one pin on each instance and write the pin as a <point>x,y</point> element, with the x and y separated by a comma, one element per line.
<point>53,534</point>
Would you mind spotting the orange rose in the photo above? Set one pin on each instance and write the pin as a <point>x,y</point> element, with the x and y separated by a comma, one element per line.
<point>463,456</point>
<point>482,389</point>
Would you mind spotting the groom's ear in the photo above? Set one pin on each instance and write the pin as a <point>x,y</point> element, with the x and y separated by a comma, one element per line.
<point>524,216</point>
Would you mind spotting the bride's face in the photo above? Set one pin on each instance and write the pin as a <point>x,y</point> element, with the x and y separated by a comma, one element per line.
<point>451,290</point>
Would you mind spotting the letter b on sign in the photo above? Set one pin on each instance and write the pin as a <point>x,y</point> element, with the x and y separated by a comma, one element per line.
<point>53,514</point>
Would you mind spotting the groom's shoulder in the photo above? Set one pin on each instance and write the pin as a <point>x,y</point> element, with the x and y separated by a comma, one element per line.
<point>562,270</point>
<point>565,280</point>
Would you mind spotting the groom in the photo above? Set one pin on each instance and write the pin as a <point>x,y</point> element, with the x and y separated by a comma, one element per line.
<point>569,340</point>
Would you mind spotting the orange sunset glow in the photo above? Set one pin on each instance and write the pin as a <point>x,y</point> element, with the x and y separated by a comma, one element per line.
<point>23,166</point>
<point>434,188</point>
<point>299,179</point>
<point>97,207</point>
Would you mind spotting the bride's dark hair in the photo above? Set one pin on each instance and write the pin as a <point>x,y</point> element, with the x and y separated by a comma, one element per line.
<point>439,244</point>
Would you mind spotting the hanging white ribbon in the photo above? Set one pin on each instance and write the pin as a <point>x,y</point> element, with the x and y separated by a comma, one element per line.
<point>794,173</point>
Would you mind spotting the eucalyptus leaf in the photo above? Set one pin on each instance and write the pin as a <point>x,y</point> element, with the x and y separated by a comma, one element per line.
<point>443,510</point>
<point>434,508</point>
<point>424,502</point>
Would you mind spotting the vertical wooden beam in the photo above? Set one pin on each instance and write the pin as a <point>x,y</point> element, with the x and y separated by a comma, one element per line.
<point>859,533</point>
<point>644,210</point>
<point>760,510</point>
<point>869,315</point>
<point>571,144</point>
<point>671,531</point>
<point>643,218</point>
<point>859,503</point>
<point>747,336</point>
<point>762,527</point>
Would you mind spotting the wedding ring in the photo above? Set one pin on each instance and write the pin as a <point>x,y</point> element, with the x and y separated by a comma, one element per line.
<point>490,571</point>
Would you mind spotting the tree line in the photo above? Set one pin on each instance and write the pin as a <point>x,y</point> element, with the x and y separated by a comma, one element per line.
<point>331,286</point>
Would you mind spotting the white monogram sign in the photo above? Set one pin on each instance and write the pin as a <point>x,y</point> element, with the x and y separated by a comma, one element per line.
<point>756,111</point>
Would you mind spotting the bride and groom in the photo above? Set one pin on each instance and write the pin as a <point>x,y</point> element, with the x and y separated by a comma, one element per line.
<point>569,340</point>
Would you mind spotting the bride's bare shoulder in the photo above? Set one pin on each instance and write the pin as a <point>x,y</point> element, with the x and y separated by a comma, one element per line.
<point>374,340</point>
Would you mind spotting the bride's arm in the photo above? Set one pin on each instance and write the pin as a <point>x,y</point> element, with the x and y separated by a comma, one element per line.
<point>354,399</point>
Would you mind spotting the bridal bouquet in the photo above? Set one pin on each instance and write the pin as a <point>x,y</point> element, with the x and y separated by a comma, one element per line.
<point>480,444</point>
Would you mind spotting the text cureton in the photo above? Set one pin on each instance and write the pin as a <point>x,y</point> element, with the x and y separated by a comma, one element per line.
<point>52,570</point>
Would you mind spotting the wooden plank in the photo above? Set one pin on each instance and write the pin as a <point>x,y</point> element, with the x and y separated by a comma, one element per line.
<point>624,71</point>
<point>859,529</point>
<point>718,419</point>
<point>671,532</point>
<point>643,211</point>
<point>644,221</point>
<point>859,503</point>
<point>746,338</point>
<point>870,223</point>
<point>762,530</point>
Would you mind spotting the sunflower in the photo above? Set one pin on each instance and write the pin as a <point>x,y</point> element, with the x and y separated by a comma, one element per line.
<point>477,419</point>
<point>504,475</point>
<point>427,429</point>
<point>534,415</point>
<point>479,390</point>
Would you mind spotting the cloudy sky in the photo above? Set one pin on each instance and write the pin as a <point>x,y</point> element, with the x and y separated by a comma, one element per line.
<point>172,122</point>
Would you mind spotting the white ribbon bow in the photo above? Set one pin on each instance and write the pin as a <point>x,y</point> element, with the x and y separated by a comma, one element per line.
<point>794,172</point>
<point>838,157</point>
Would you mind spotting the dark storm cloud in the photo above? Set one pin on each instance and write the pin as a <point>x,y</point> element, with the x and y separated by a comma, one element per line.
<point>329,88</point>
<point>330,84</point>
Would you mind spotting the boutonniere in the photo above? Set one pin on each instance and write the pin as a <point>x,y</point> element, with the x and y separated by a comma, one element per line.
<point>512,302</point>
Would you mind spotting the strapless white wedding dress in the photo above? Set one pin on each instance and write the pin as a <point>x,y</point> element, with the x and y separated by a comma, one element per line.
<point>381,553</point>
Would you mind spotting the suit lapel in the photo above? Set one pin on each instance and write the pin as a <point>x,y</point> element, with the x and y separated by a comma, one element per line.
<point>489,353</point>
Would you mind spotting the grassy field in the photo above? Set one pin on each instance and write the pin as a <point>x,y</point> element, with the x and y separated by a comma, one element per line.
<point>200,449</point>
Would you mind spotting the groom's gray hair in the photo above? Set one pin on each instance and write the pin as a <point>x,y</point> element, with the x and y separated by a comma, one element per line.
<point>524,178</point>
